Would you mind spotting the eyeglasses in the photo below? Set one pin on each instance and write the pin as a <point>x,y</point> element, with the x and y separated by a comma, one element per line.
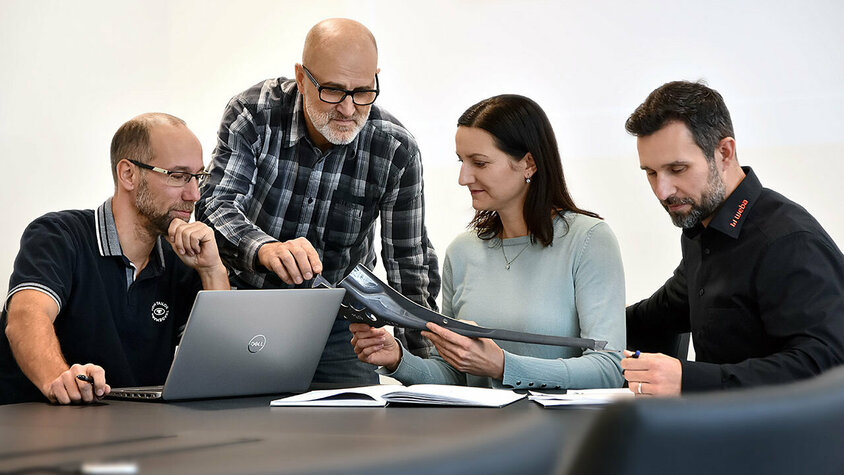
<point>333,95</point>
<point>176,178</point>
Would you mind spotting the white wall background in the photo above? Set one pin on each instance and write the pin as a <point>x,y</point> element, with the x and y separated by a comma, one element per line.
<point>72,72</point>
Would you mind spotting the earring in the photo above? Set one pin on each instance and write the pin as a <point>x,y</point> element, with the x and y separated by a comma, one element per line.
<point>527,180</point>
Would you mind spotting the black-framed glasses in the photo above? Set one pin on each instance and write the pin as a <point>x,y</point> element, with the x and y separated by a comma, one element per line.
<point>175,178</point>
<point>333,95</point>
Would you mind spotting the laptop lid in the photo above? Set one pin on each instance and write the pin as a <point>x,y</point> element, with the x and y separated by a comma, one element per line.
<point>248,342</point>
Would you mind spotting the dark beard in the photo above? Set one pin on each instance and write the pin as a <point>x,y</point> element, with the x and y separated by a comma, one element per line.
<point>711,198</point>
<point>158,223</point>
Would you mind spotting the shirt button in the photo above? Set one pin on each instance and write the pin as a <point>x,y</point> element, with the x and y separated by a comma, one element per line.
<point>530,384</point>
<point>701,292</point>
<point>518,383</point>
<point>706,251</point>
<point>310,200</point>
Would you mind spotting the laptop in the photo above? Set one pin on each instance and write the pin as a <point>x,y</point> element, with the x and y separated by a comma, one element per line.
<point>247,342</point>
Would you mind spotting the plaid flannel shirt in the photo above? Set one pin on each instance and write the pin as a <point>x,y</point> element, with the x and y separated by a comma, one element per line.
<point>270,183</point>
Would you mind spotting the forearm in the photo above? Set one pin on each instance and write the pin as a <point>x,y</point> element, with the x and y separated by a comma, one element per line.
<point>434,370</point>
<point>592,370</point>
<point>237,238</point>
<point>215,278</point>
<point>806,359</point>
<point>36,348</point>
<point>654,323</point>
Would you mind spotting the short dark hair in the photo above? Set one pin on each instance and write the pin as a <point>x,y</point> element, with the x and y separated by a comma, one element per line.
<point>519,126</point>
<point>131,141</point>
<point>701,108</point>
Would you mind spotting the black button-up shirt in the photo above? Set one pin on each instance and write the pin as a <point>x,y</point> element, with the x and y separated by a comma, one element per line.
<point>761,289</point>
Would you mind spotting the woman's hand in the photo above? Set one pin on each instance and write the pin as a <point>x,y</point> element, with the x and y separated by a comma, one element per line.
<point>478,356</point>
<point>375,346</point>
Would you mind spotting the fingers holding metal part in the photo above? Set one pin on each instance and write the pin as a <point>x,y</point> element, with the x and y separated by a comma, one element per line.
<point>293,261</point>
<point>478,356</point>
<point>375,346</point>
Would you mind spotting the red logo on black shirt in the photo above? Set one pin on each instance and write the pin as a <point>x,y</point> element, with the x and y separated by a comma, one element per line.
<point>160,311</point>
<point>737,216</point>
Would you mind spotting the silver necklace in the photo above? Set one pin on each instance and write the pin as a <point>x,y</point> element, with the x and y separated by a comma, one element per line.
<point>510,261</point>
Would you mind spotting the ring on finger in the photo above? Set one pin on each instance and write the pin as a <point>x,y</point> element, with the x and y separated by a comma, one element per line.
<point>640,388</point>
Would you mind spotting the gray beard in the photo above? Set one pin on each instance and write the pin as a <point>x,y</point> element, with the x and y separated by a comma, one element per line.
<point>322,122</point>
<point>711,198</point>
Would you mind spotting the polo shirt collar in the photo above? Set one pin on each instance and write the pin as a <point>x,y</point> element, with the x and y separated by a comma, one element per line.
<point>107,239</point>
<point>733,213</point>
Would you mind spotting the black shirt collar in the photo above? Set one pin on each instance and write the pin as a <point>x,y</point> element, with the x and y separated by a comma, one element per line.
<point>731,215</point>
<point>107,239</point>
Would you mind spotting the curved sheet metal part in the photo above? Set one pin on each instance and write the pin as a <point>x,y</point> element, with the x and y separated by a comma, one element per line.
<point>371,301</point>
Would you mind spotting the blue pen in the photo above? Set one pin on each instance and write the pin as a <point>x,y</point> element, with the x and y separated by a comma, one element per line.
<point>636,354</point>
<point>86,378</point>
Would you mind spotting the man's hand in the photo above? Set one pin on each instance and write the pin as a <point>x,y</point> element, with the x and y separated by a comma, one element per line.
<point>652,374</point>
<point>478,356</point>
<point>293,261</point>
<point>195,245</point>
<point>68,389</point>
<point>375,346</point>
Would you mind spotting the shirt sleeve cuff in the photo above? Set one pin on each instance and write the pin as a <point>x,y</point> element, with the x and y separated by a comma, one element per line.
<point>700,376</point>
<point>517,368</point>
<point>409,366</point>
<point>250,245</point>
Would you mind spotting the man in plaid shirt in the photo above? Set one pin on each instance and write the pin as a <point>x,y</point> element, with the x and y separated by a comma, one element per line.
<point>301,170</point>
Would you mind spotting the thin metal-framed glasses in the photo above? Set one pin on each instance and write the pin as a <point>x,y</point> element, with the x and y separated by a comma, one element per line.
<point>175,178</point>
<point>333,95</point>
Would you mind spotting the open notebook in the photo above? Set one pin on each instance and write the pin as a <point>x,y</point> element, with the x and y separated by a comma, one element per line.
<point>383,394</point>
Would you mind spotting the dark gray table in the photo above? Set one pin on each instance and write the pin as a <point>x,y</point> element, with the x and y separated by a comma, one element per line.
<point>245,435</point>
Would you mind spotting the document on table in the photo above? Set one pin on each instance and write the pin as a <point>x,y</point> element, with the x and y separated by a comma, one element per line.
<point>383,394</point>
<point>574,397</point>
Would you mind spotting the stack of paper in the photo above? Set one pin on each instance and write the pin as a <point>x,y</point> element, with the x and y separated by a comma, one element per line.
<point>381,395</point>
<point>581,397</point>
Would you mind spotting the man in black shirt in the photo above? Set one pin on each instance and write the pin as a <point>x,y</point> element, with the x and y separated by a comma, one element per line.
<point>99,293</point>
<point>760,285</point>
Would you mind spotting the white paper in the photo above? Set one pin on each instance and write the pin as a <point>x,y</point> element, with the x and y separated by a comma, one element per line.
<point>381,395</point>
<point>575,397</point>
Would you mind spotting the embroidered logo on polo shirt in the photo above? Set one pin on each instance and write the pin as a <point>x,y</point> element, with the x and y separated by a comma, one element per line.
<point>160,311</point>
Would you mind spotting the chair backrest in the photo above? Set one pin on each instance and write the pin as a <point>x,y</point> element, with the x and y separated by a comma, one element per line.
<point>792,428</point>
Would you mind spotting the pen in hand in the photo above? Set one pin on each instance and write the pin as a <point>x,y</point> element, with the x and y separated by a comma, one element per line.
<point>88,379</point>
<point>636,354</point>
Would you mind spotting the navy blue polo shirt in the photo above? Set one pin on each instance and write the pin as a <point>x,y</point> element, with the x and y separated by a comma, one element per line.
<point>107,316</point>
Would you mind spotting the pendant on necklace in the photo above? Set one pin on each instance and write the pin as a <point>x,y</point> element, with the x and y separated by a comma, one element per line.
<point>507,266</point>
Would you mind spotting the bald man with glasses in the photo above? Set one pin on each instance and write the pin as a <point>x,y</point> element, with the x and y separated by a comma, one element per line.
<point>97,297</point>
<point>302,170</point>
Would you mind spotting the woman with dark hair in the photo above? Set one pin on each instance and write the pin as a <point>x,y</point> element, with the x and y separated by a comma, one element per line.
<point>533,261</point>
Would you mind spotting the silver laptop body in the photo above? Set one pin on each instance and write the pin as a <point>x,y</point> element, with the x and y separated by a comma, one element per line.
<point>247,342</point>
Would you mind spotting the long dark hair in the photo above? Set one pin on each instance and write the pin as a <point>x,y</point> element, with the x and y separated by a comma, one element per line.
<point>519,126</point>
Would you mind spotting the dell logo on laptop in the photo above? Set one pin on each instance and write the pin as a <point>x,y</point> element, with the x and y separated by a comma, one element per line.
<point>257,343</point>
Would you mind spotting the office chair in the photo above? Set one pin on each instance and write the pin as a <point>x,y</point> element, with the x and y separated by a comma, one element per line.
<point>794,428</point>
